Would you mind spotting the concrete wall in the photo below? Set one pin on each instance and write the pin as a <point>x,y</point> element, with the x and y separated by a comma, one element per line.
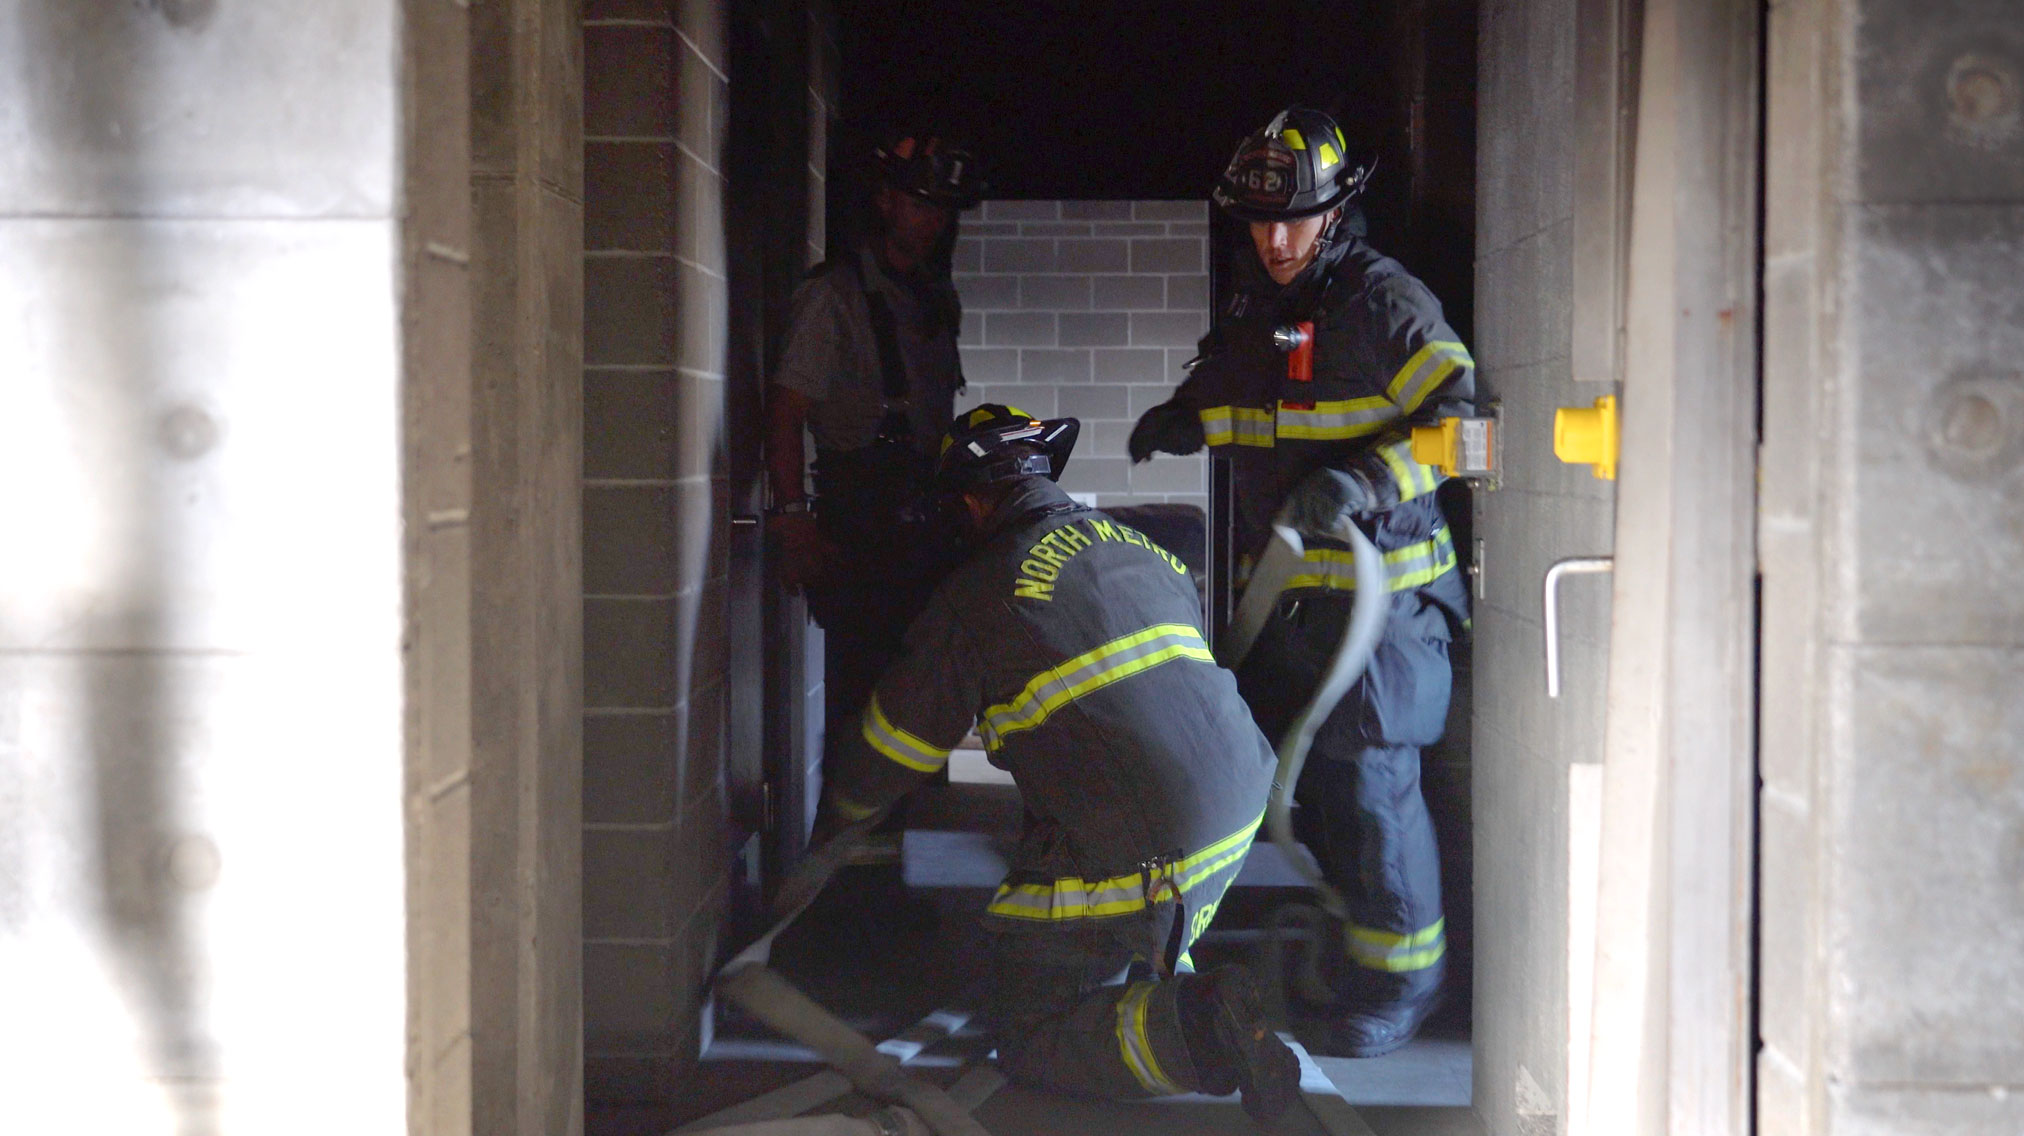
<point>526,696</point>
<point>436,249</point>
<point>201,759</point>
<point>1543,511</point>
<point>1088,309</point>
<point>655,512</point>
<point>692,247</point>
<point>1892,814</point>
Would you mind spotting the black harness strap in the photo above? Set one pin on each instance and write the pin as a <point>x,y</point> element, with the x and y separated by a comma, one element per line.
<point>885,329</point>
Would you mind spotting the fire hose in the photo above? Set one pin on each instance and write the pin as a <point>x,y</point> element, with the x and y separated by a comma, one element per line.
<point>764,993</point>
<point>1284,557</point>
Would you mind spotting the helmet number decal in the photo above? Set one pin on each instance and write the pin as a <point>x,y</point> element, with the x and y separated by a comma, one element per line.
<point>1267,176</point>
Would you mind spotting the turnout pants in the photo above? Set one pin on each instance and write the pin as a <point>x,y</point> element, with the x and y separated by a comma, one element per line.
<point>1063,1022</point>
<point>889,568</point>
<point>1361,811</point>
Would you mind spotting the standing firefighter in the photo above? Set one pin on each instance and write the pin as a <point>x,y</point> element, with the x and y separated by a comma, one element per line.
<point>1074,645</point>
<point>1326,355</point>
<point>870,368</point>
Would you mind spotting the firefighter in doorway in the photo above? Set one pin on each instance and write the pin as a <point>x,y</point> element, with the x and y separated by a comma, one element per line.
<point>1074,645</point>
<point>870,369</point>
<point>1325,355</point>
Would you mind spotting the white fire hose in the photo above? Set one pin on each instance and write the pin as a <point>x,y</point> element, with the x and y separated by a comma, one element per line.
<point>768,996</point>
<point>1282,560</point>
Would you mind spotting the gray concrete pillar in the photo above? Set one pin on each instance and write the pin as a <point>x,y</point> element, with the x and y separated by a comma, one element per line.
<point>1526,748</point>
<point>201,729</point>
<point>526,664</point>
<point>1893,806</point>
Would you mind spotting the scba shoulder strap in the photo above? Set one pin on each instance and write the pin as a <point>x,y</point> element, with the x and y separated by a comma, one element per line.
<point>885,330</point>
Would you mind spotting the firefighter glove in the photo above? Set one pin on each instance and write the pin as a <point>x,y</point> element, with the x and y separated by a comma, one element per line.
<point>805,555</point>
<point>1168,428</point>
<point>1323,498</point>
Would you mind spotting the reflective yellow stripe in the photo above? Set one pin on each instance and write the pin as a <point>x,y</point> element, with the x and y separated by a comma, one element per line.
<point>1118,659</point>
<point>850,809</point>
<point>1293,139</point>
<point>1328,156</point>
<point>1135,1045</point>
<point>898,744</point>
<point>1392,940</point>
<point>1414,479</point>
<point>1337,419</point>
<point>1236,425</point>
<point>1127,1050</point>
<point>1071,898</point>
<point>1406,568</point>
<point>1389,951</point>
<point>1403,469</point>
<point>1217,856</point>
<point>1425,372</point>
<point>1074,898</point>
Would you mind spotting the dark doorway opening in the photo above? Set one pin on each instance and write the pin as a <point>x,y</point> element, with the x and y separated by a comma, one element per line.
<point>1135,101</point>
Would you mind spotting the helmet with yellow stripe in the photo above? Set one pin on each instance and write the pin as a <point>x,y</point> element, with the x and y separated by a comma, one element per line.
<point>995,442</point>
<point>1297,166</point>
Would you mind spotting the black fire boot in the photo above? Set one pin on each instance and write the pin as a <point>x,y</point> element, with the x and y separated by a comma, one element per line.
<point>1372,1029</point>
<point>1228,1035</point>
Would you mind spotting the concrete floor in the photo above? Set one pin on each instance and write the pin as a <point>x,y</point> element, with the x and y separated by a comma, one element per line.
<point>884,967</point>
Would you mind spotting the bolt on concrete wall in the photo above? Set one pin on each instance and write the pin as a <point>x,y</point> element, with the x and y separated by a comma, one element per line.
<point>1088,309</point>
<point>201,830</point>
<point>654,512</point>
<point>1892,941</point>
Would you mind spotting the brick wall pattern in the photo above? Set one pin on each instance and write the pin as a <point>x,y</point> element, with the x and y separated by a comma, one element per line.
<point>1088,309</point>
<point>655,508</point>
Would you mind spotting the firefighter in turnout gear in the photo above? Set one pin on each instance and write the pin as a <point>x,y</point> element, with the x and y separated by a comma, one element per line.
<point>870,368</point>
<point>1325,355</point>
<point>1074,646</point>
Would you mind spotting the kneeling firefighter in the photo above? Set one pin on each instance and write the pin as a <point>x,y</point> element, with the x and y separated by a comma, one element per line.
<point>1074,645</point>
<point>1325,355</point>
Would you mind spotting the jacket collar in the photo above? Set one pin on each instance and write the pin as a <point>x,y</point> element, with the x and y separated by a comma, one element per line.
<point>1348,246</point>
<point>1029,495</point>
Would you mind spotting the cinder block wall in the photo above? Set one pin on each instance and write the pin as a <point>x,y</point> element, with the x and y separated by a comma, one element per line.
<point>1523,743</point>
<point>656,870</point>
<point>1088,309</point>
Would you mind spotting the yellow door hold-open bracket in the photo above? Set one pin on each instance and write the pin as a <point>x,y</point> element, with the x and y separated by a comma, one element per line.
<point>1585,436</point>
<point>1460,447</point>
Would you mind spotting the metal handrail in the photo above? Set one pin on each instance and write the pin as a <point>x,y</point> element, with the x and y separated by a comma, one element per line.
<point>1573,565</point>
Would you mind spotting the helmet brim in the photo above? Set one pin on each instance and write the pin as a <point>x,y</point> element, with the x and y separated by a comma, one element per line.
<point>1243,212</point>
<point>1054,437</point>
<point>955,203</point>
